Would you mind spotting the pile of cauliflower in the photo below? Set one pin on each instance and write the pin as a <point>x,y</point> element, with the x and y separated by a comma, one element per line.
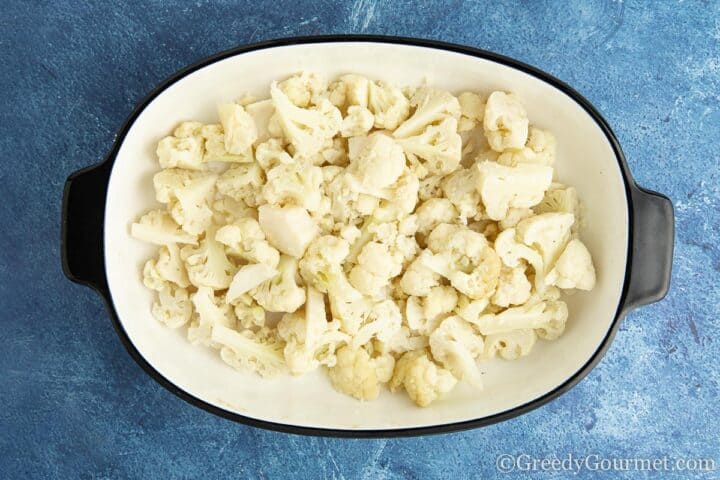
<point>386,235</point>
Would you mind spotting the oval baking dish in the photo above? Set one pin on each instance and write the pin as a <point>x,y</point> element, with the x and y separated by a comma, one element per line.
<point>629,231</point>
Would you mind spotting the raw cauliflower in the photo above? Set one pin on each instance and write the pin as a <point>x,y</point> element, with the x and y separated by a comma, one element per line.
<point>385,234</point>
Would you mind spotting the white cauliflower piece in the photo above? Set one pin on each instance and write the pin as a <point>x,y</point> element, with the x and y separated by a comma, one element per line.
<point>350,90</point>
<point>158,227</point>
<point>514,216</point>
<point>510,345</point>
<point>547,317</point>
<point>289,229</point>
<point>403,340</point>
<point>245,239</point>
<point>439,301</point>
<point>573,269</point>
<point>513,254</point>
<point>422,379</point>
<point>377,164</point>
<point>403,197</point>
<point>188,194</point>
<point>548,233</point>
<point>431,106</point>
<point>472,111</point>
<point>541,149</point>
<point>505,121</point>
<point>560,198</point>
<point>376,265</point>
<point>322,261</point>
<point>469,309</point>
<point>308,129</point>
<point>168,267</point>
<point>432,212</point>
<point>439,146</point>
<point>455,345</point>
<point>238,126</point>
<point>261,112</point>
<point>247,278</point>
<point>358,121</point>
<point>184,152</point>
<point>357,374</point>
<point>465,259</point>
<point>207,264</point>
<point>271,153</point>
<point>513,287</point>
<point>388,104</point>
<point>243,183</point>
<point>215,150</point>
<point>417,280</point>
<point>243,352</point>
<point>281,293</point>
<point>304,89</point>
<point>211,311</point>
<point>460,188</point>
<point>383,321</point>
<point>502,187</point>
<point>296,183</point>
<point>248,312</point>
<point>227,210</point>
<point>172,306</point>
<point>310,339</point>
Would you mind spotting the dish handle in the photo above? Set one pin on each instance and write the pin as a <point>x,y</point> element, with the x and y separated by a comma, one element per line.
<point>652,248</point>
<point>83,216</point>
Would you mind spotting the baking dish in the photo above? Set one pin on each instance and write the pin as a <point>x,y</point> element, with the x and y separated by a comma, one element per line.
<point>629,231</point>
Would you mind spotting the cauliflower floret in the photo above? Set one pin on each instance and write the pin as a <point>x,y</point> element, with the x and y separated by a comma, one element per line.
<point>439,301</point>
<point>376,265</point>
<point>261,112</point>
<point>513,287</point>
<point>187,194</point>
<point>547,317</point>
<point>211,311</point>
<point>358,121</point>
<point>304,89</point>
<point>296,183</point>
<point>548,233</point>
<point>505,121</point>
<point>183,152</point>
<point>247,278</point>
<point>418,279</point>
<point>281,293</point>
<point>383,321</point>
<point>245,239</point>
<point>540,149</point>
<point>242,183</point>
<point>289,229</point>
<point>514,216</point>
<point>559,198</point>
<point>431,106</point>
<point>227,210</point>
<point>502,187</point>
<point>439,145</point>
<point>167,268</point>
<point>455,345</point>
<point>207,264</point>
<point>472,111</point>
<point>158,227</point>
<point>422,379</point>
<point>403,340</point>
<point>172,306</point>
<point>322,261</point>
<point>510,345</point>
<point>465,259</point>
<point>245,351</point>
<point>356,374</point>
<point>248,312</point>
<point>573,269</point>
<point>215,150</point>
<point>272,153</point>
<point>377,164</point>
<point>513,254</point>
<point>310,339</point>
<point>309,130</point>
<point>459,188</point>
<point>350,90</point>
<point>239,128</point>
<point>430,187</point>
<point>388,104</point>
<point>432,212</point>
<point>469,309</point>
<point>401,201</point>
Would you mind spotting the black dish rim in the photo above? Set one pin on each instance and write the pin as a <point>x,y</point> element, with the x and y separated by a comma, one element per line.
<point>581,373</point>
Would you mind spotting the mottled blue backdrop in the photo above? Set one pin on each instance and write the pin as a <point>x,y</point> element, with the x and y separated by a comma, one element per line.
<point>74,405</point>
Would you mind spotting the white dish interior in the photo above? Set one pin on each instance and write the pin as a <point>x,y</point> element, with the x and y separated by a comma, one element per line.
<point>585,160</point>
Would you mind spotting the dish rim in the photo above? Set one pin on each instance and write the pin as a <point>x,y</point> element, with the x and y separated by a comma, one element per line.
<point>106,165</point>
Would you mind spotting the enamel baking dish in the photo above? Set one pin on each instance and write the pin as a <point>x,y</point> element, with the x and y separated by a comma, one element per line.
<point>629,231</point>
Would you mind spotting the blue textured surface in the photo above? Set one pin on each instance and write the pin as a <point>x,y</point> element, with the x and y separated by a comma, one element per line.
<point>74,405</point>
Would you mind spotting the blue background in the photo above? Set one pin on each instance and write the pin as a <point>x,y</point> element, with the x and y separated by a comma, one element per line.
<point>74,405</point>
